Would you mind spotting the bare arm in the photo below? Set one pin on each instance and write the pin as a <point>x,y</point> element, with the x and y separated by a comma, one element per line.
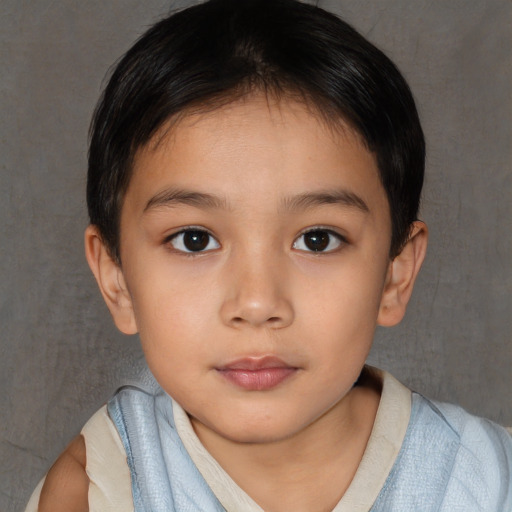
<point>67,484</point>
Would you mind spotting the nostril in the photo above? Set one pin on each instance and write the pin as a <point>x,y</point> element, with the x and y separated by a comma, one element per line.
<point>237,320</point>
<point>244,310</point>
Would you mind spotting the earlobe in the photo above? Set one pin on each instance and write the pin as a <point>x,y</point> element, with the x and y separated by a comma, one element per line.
<point>402,273</point>
<point>111,282</point>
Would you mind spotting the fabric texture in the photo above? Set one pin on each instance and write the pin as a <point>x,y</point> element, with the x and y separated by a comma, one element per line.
<point>164,478</point>
<point>105,453</point>
<point>383,447</point>
<point>107,468</point>
<point>422,455</point>
<point>449,461</point>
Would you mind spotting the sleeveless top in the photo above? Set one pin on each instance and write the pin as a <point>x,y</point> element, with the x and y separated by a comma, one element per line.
<point>421,455</point>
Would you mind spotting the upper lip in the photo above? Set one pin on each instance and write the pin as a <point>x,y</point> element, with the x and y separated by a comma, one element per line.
<point>255,363</point>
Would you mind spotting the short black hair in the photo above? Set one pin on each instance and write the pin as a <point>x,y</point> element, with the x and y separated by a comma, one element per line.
<point>221,50</point>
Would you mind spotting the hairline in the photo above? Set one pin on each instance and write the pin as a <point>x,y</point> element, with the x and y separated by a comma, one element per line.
<point>331,117</point>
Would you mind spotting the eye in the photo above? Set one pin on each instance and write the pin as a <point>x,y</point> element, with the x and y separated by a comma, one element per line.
<point>319,240</point>
<point>193,240</point>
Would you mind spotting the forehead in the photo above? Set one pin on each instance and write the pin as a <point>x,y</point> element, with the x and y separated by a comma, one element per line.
<point>255,145</point>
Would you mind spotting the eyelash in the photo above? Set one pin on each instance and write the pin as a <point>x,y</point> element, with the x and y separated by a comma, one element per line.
<point>201,233</point>
<point>340,240</point>
<point>189,230</point>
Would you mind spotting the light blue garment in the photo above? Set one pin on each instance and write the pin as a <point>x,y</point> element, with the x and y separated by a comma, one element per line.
<point>163,476</point>
<point>450,461</point>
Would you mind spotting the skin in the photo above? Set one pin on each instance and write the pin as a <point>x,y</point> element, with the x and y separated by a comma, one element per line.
<point>257,175</point>
<point>67,484</point>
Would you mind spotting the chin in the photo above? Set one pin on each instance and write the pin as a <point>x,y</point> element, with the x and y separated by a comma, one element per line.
<point>256,431</point>
<point>260,437</point>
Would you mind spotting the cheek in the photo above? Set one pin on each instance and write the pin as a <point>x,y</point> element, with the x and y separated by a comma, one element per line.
<point>172,335</point>
<point>350,297</point>
<point>173,313</point>
<point>341,319</point>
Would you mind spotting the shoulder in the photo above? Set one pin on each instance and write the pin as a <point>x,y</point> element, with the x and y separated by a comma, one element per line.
<point>91,474</point>
<point>449,461</point>
<point>107,466</point>
<point>483,443</point>
<point>66,486</point>
<point>483,439</point>
<point>481,464</point>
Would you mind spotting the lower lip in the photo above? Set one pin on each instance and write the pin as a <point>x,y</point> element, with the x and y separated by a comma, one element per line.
<point>257,380</point>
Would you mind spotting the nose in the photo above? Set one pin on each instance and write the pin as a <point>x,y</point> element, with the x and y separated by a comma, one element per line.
<point>257,295</point>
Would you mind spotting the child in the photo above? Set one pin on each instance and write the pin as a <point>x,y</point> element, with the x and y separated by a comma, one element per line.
<point>255,170</point>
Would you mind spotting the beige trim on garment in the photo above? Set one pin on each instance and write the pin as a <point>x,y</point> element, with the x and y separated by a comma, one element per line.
<point>381,452</point>
<point>231,497</point>
<point>110,484</point>
<point>110,488</point>
<point>385,442</point>
<point>34,498</point>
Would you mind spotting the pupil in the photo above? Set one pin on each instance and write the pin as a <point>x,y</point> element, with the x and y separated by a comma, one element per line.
<point>316,240</point>
<point>195,240</point>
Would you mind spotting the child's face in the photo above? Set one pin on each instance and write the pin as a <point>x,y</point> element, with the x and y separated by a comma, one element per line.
<point>254,249</point>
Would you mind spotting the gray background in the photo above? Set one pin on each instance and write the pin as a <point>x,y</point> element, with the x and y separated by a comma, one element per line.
<point>60,357</point>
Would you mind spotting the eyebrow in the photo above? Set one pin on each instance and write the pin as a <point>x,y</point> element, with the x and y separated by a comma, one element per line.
<point>339,197</point>
<point>173,196</point>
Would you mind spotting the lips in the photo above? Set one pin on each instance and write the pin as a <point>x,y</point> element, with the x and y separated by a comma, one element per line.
<point>257,373</point>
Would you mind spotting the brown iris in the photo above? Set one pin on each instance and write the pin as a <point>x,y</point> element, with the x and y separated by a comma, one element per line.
<point>195,241</point>
<point>317,240</point>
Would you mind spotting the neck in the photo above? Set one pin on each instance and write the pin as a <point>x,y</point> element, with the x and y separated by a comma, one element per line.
<point>309,471</point>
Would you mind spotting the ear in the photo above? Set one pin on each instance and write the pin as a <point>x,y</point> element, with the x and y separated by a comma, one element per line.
<point>402,272</point>
<point>110,279</point>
